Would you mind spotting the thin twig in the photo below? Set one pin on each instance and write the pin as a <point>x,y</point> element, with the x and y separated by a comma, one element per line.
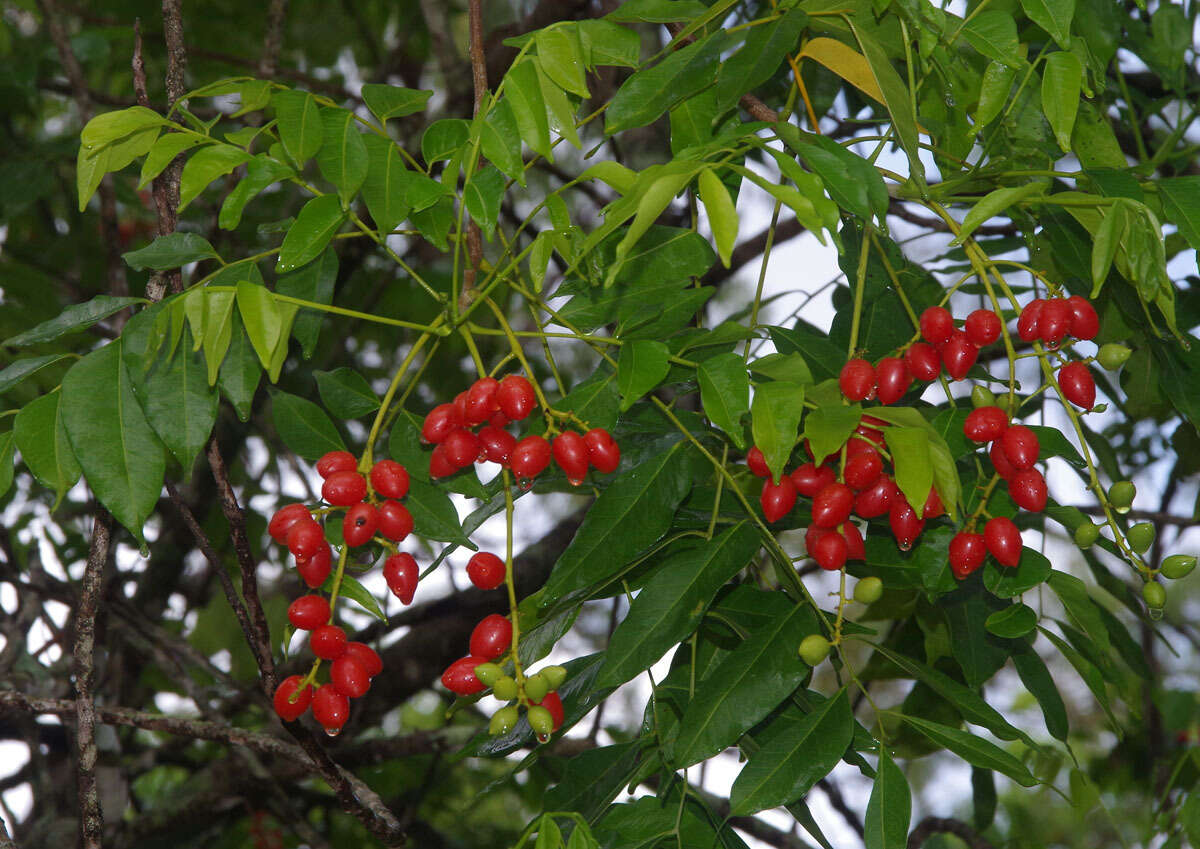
<point>273,43</point>
<point>166,185</point>
<point>479,78</point>
<point>91,818</point>
<point>946,825</point>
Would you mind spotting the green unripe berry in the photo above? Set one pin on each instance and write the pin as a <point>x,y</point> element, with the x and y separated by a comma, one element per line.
<point>1086,534</point>
<point>1113,355</point>
<point>814,649</point>
<point>505,688</point>
<point>1140,537</point>
<point>503,720</point>
<point>540,721</point>
<point>554,675</point>
<point>1178,566</point>
<point>1121,495</point>
<point>536,687</point>
<point>868,590</point>
<point>488,673</point>
<point>1154,595</point>
<point>981,396</point>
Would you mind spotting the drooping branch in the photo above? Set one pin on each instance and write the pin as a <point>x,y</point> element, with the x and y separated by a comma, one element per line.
<point>930,826</point>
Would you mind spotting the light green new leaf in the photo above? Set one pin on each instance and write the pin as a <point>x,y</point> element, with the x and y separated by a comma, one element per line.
<point>165,149</point>
<point>314,227</point>
<point>117,449</point>
<point>914,471</point>
<point>642,366</point>
<point>560,54</point>
<point>109,127</point>
<point>994,203</point>
<point>1107,241</point>
<point>722,215</point>
<point>889,809</point>
<point>725,394</point>
<point>1061,81</point>
<point>206,165</point>
<point>41,437</point>
<point>261,317</point>
<point>829,426</point>
<point>524,93</point>
<point>775,417</point>
<point>560,110</point>
<point>500,140</point>
<point>657,197</point>
<point>343,154</point>
<point>218,329</point>
<point>299,123</point>
<point>262,171</point>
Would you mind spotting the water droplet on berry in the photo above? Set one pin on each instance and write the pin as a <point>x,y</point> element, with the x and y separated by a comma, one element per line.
<point>545,738</point>
<point>1155,613</point>
<point>526,484</point>
<point>905,546</point>
<point>333,732</point>
<point>1121,510</point>
<point>574,481</point>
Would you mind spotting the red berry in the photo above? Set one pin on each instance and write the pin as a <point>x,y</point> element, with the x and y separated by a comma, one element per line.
<point>809,478</point>
<point>530,457</point>
<point>876,499</point>
<point>870,435</point>
<point>330,708</point>
<point>831,506</point>
<point>308,612</point>
<point>892,379</point>
<point>459,677</point>
<point>367,656</point>
<point>757,463</point>
<point>460,404</point>
<point>985,424</point>
<point>401,574</point>
<point>284,519</point>
<point>481,400</point>
<point>439,463</point>
<point>1085,324</point>
<point>571,454</point>
<point>486,570</point>
<point>491,637</point>
<point>1003,468</point>
<point>857,380</point>
<point>855,549</point>
<point>305,538</point>
<point>936,325</point>
<point>1020,446</point>
<point>442,420</point>
<point>395,522</point>
<point>1029,320</point>
<point>958,355</point>
<point>778,499</point>
<point>603,451</point>
<point>1003,540</point>
<point>933,506</point>
<point>389,479</point>
<point>863,469</point>
<point>359,524</point>
<point>906,525</point>
<point>982,327</point>
<point>336,461</point>
<point>1028,490</point>
<point>349,677</point>
<point>292,710</point>
<point>1055,321</point>
<point>314,570</point>
<point>1077,384</point>
<point>967,553</point>
<point>498,419</point>
<point>327,642</point>
<point>497,443</point>
<point>553,703</point>
<point>461,448</point>
<point>829,550</point>
<point>342,489</point>
<point>923,361</point>
<point>516,397</point>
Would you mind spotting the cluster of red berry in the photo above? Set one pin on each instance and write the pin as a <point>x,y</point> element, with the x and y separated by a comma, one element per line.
<point>369,510</point>
<point>490,405</point>
<point>865,490</point>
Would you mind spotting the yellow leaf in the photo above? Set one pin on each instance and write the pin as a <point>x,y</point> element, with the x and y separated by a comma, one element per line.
<point>846,62</point>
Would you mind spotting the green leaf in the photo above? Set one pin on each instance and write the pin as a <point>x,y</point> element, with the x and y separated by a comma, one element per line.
<point>170,251</point>
<point>896,97</point>
<point>657,11</point>
<point>974,750</point>
<point>343,154</point>
<point>594,400</point>
<point>1011,622</point>
<point>775,417</point>
<point>911,457</point>
<point>747,685</point>
<point>482,195</point>
<point>435,221</point>
<point>262,171</point>
<point>994,34</point>
<point>500,140</point>
<point>642,366</point>
<point>725,394</point>
<point>605,43</point>
<point>1181,205</point>
<point>1107,241</point>
<point>766,48</point>
<point>41,437</point>
<point>15,372</point>
<point>109,127</point>
<point>560,54</point>
<point>1032,569</point>
<point>993,94</point>
<point>262,318</point>
<point>165,149</point>
<point>650,92</point>
<point>1054,16</point>
<point>890,807</point>
<point>722,214</point>
<point>524,93</point>
<point>672,603</point>
<point>662,184</point>
<point>853,182</point>
<point>304,427</point>
<point>384,192</point>
<point>73,318</point>
<point>90,169</point>
<point>1038,681</point>
<point>240,372</point>
<point>391,101</point>
<point>215,327</point>
<point>315,226</point>
<point>443,138</point>
<point>1087,671</point>
<point>794,754</point>
<point>1081,610</point>
<point>592,779</point>
<point>789,367</point>
<point>630,515</point>
<point>115,445</point>
<point>6,462</point>
<point>434,516</point>
<point>356,592</point>
<point>299,123</point>
<point>346,393</point>
<point>829,426</point>
<point>206,165</point>
<point>1061,81</point>
<point>314,282</point>
<point>994,203</point>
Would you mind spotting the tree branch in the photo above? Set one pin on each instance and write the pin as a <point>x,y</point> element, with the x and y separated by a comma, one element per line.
<point>91,818</point>
<point>946,825</point>
<point>268,63</point>
<point>479,79</point>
